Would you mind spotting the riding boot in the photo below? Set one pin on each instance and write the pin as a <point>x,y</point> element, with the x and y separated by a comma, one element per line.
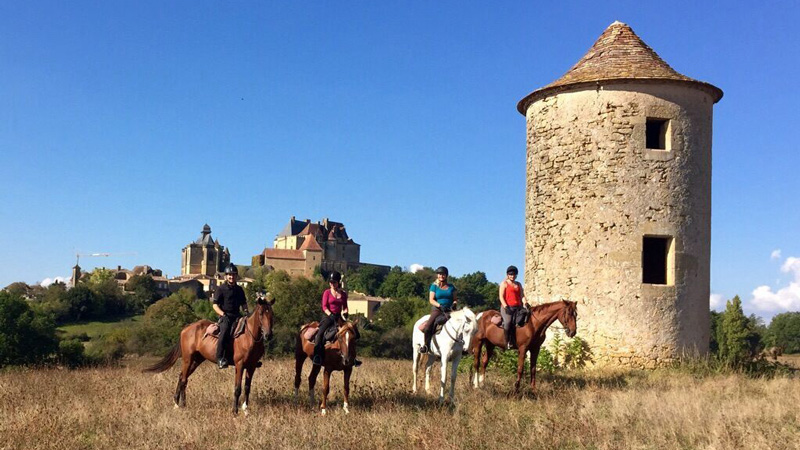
<point>428,336</point>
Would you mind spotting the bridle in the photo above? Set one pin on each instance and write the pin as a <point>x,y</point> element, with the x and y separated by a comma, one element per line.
<point>263,331</point>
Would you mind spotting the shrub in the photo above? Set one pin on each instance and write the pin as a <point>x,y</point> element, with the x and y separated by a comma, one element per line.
<point>71,353</point>
<point>25,336</point>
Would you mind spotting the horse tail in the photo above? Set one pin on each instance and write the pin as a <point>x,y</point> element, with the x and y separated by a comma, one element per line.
<point>167,361</point>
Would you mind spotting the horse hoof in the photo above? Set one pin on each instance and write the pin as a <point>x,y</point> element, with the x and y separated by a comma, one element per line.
<point>346,409</point>
<point>176,406</point>
<point>323,412</point>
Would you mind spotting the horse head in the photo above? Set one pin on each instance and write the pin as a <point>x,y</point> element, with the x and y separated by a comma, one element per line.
<point>568,316</point>
<point>264,313</point>
<point>346,337</point>
<point>466,324</point>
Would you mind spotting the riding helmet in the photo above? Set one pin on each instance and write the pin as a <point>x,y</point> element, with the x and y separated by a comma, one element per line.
<point>231,268</point>
<point>442,269</point>
<point>335,277</point>
<point>512,270</point>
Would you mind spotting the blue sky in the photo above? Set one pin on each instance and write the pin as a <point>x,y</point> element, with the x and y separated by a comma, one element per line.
<point>126,126</point>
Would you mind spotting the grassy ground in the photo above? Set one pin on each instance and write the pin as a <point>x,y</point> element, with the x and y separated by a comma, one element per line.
<point>96,329</point>
<point>123,408</point>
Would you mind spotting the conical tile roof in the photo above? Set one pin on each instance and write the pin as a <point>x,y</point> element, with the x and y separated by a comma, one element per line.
<point>617,55</point>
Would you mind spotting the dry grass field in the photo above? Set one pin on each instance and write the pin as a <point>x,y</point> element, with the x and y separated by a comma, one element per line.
<point>123,408</point>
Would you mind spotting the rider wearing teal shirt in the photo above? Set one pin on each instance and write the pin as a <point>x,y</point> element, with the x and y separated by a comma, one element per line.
<point>444,297</point>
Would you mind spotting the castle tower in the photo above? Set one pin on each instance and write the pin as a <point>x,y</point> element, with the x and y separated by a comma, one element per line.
<point>618,204</point>
<point>205,256</point>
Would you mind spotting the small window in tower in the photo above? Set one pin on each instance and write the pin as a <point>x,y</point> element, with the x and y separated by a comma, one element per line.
<point>657,134</point>
<point>658,258</point>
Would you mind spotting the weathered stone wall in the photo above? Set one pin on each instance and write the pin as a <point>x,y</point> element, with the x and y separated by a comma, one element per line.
<point>594,191</point>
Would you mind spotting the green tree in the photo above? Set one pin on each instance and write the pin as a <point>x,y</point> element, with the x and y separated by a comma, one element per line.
<point>25,337</point>
<point>737,338</point>
<point>784,331</point>
<point>144,291</point>
<point>80,302</point>
<point>366,279</point>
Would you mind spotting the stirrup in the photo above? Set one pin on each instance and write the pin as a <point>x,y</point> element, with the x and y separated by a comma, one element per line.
<point>423,349</point>
<point>316,360</point>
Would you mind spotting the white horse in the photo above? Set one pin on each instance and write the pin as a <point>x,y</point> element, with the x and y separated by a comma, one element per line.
<point>448,345</point>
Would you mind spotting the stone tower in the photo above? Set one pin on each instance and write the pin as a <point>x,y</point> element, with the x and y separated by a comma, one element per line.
<point>204,256</point>
<point>618,204</point>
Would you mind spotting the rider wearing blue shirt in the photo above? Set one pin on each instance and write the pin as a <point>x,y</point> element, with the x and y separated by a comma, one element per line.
<point>442,298</point>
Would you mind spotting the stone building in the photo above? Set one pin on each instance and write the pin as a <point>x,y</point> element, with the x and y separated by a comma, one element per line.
<point>618,204</point>
<point>302,246</point>
<point>204,256</point>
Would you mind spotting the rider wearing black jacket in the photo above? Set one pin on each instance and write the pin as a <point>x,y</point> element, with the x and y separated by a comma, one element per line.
<point>227,300</point>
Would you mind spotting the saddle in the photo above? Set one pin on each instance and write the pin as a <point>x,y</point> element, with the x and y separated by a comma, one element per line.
<point>438,325</point>
<point>330,334</point>
<point>521,316</point>
<point>238,329</point>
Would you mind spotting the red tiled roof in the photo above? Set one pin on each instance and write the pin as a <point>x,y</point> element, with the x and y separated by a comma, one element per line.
<point>280,253</point>
<point>618,54</point>
<point>311,228</point>
<point>310,244</point>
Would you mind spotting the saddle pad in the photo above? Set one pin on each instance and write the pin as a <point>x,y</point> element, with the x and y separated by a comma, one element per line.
<point>310,332</point>
<point>213,329</point>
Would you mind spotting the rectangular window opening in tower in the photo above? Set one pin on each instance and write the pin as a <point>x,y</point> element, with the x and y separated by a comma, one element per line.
<point>658,260</point>
<point>657,134</point>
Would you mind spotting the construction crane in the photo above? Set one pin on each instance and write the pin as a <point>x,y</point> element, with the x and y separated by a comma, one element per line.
<point>78,255</point>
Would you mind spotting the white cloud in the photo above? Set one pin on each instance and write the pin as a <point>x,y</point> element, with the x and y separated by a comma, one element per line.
<point>48,281</point>
<point>716,301</point>
<point>785,298</point>
<point>414,268</point>
<point>776,254</point>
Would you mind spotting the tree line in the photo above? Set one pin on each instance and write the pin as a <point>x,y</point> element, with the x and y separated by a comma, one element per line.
<point>30,315</point>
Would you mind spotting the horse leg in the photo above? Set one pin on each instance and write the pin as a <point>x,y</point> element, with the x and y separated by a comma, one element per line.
<point>326,386</point>
<point>187,368</point>
<point>476,363</point>
<point>443,379</point>
<point>299,360</point>
<point>237,391</point>
<point>428,365</point>
<point>312,380</point>
<point>248,378</point>
<point>197,359</point>
<point>520,368</point>
<point>453,371</point>
<point>485,362</point>
<point>347,372</point>
<point>415,365</point>
<point>534,356</point>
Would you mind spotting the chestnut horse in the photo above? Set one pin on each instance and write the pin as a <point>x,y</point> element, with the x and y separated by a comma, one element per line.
<point>194,348</point>
<point>339,355</point>
<point>529,337</point>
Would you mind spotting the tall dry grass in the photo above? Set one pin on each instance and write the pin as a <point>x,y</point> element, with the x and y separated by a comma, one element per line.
<point>123,408</point>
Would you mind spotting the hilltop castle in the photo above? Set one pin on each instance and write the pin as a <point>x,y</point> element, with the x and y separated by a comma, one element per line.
<point>302,246</point>
<point>618,204</point>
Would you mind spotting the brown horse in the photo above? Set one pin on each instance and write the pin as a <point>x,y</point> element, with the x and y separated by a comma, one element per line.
<point>529,337</point>
<point>195,348</point>
<point>339,355</point>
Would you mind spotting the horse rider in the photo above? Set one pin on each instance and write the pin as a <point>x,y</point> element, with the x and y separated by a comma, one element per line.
<point>334,305</point>
<point>512,300</point>
<point>227,300</point>
<point>442,297</point>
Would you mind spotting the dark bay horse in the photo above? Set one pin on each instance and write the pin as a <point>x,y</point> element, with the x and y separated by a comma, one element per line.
<point>339,355</point>
<point>248,349</point>
<point>529,337</point>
